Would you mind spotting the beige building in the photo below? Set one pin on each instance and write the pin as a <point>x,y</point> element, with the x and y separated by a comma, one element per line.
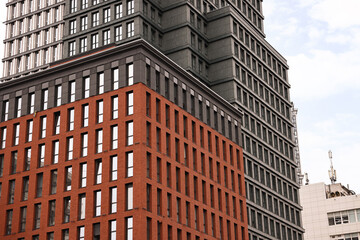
<point>330,212</point>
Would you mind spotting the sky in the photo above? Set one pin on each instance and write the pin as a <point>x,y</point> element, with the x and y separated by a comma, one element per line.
<point>321,41</point>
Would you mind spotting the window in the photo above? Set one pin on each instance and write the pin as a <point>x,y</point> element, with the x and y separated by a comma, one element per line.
<point>94,41</point>
<point>115,78</point>
<point>86,85</point>
<point>68,178</point>
<point>99,141</point>
<point>66,217</point>
<point>95,19</point>
<point>27,159</point>
<point>129,228</point>
<point>45,98</point>
<point>11,191</point>
<point>5,110</point>
<point>72,26</point>
<point>100,83</point>
<point>70,148</point>
<point>100,111</point>
<point>72,91</point>
<point>58,92</point>
<point>85,115</point>
<point>130,29</point>
<point>129,196</point>
<point>83,174</point>
<point>84,4</point>
<point>106,15</point>
<point>3,136</point>
<point>23,213</point>
<point>130,103</point>
<point>72,48</point>
<point>53,180</point>
<point>130,7</point>
<point>115,107</point>
<point>129,164</point>
<point>84,23</point>
<point>73,6</point>
<point>118,11</point>
<point>55,155</point>
<point>98,171</point>
<point>81,233</point>
<point>84,144</point>
<point>16,134</point>
<point>97,211</point>
<point>52,205</point>
<point>114,167</point>
<point>112,226</point>
<point>9,216</point>
<point>18,106</point>
<point>130,133</point>
<point>71,120</point>
<point>31,105</point>
<point>113,197</point>
<point>82,206</point>
<point>130,74</point>
<point>41,159</point>
<point>83,45</point>
<point>106,37</point>
<point>65,234</point>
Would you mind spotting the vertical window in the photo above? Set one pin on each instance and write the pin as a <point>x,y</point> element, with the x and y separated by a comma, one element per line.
<point>97,210</point>
<point>39,184</point>
<point>58,92</point>
<point>3,137</point>
<point>112,228</point>
<point>53,180</point>
<point>11,191</point>
<point>27,159</point>
<point>14,156</point>
<point>84,144</point>
<point>66,217</point>
<point>82,206</point>
<point>16,134</point>
<point>68,178</point>
<point>18,106</point>
<point>129,164</point>
<point>43,127</point>
<point>72,48</point>
<point>45,98</point>
<point>114,167</point>
<point>72,26</point>
<point>52,205</point>
<point>129,228</point>
<point>106,15</point>
<point>130,29</point>
<point>83,174</point>
<point>106,37</point>
<point>95,41</point>
<point>57,123</point>
<point>100,83</point>
<point>25,189</point>
<point>70,148</point>
<point>129,196</point>
<point>73,6</point>
<point>100,111</point>
<point>85,115</point>
<point>95,19</point>
<point>83,44</point>
<point>130,74</point>
<point>118,11</point>
<point>130,7</point>
<point>55,156</point>
<point>130,103</point>
<point>5,110</point>
<point>130,133</point>
<point>29,131</point>
<point>114,137</point>
<point>81,233</point>
<point>72,91</point>
<point>9,216</point>
<point>115,78</point>
<point>23,213</point>
<point>84,23</point>
<point>41,154</point>
<point>65,234</point>
<point>98,171</point>
<point>113,193</point>
<point>99,141</point>
<point>115,107</point>
<point>86,85</point>
<point>118,33</point>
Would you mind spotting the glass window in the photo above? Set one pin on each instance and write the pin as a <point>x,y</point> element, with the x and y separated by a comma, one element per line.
<point>84,144</point>
<point>112,224</point>
<point>71,120</point>
<point>23,213</point>
<point>53,181</point>
<point>58,92</point>
<point>43,127</point>
<point>113,192</point>
<point>52,205</point>
<point>101,82</point>
<point>98,171</point>
<point>66,219</point>
<point>130,7</point>
<point>129,196</point>
<point>85,116</point>
<point>55,158</point>
<point>97,203</point>
<point>72,91</point>
<point>70,148</point>
<point>130,29</point>
<point>32,103</point>
<point>81,233</point>
<point>45,98</point>
<point>129,164</point>
<point>18,106</point>
<point>83,174</point>
<point>118,11</point>
<point>130,103</point>
<point>9,216</point>
<point>41,160</point>
<point>86,87</point>
<point>129,228</point>
<point>11,191</point>
<point>118,33</point>
<point>115,78</point>
<point>114,167</point>
<point>68,178</point>
<point>114,137</point>
<point>82,206</point>
<point>115,107</point>
<point>37,215</point>
<point>100,111</point>
<point>3,137</point>
<point>99,140</point>
<point>5,110</point>
<point>130,133</point>
<point>57,123</point>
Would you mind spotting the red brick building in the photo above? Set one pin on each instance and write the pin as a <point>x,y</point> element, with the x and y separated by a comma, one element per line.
<point>122,144</point>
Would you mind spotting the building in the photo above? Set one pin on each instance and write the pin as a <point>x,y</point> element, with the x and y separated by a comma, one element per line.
<point>330,212</point>
<point>222,45</point>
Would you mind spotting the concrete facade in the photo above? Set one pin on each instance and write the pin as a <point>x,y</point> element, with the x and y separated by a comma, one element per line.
<point>327,217</point>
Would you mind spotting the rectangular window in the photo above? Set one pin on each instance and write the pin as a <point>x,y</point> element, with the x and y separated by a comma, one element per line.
<point>3,136</point>
<point>72,26</point>
<point>130,29</point>
<point>83,174</point>
<point>114,137</point>
<point>118,33</point>
<point>72,48</point>
<point>84,144</point>
<point>98,171</point>
<point>82,206</point>
<point>94,41</point>
<point>114,167</point>
<point>129,164</point>
<point>86,85</point>
<point>68,178</point>
<point>9,216</point>
<point>27,159</point>
<point>115,107</point>
<point>130,74</point>
<point>81,233</point>
<point>71,119</point>
<point>83,44</point>
<point>70,148</point>
<point>18,102</point>
<point>55,155</point>
<point>45,98</point>
<point>41,155</point>
<point>52,205</point>
<point>97,207</point>
<point>84,23</point>
<point>37,214</point>
<point>129,228</point>
<point>115,78</point>
<point>5,110</point>
<point>53,180</point>
<point>66,217</point>
<point>14,156</point>
<point>100,111</point>
<point>112,228</point>
<point>118,11</point>
<point>31,105</point>
<point>56,123</point>
<point>95,19</point>
<point>25,188</point>
<point>11,192</point>
<point>130,7</point>
<point>72,91</point>
<point>85,115</point>
<point>16,134</point>
<point>101,83</point>
<point>130,133</point>
<point>106,15</point>
<point>129,196</point>
<point>99,141</point>
<point>130,103</point>
<point>113,198</point>
<point>23,213</point>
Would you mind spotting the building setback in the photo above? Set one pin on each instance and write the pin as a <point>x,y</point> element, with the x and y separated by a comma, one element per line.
<point>222,44</point>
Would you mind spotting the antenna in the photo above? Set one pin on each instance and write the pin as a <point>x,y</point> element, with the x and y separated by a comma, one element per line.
<point>332,171</point>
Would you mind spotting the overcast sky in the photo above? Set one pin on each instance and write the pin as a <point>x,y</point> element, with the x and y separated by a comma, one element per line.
<point>321,40</point>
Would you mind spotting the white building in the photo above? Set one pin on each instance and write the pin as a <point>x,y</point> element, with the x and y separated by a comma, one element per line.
<point>330,212</point>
